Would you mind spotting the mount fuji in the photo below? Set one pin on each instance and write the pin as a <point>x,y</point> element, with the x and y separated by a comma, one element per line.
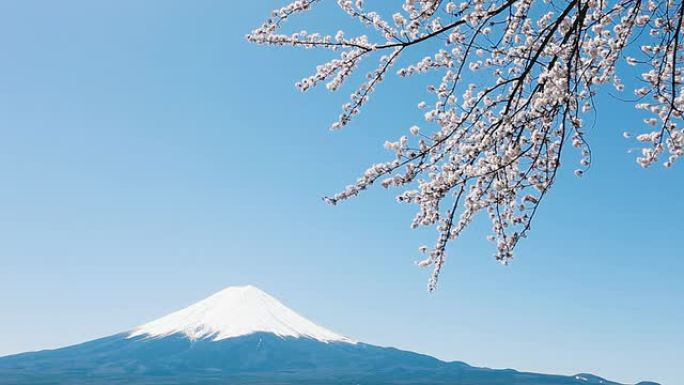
<point>242,335</point>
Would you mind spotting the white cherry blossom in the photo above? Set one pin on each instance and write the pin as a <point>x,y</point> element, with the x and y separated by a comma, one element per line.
<point>517,83</point>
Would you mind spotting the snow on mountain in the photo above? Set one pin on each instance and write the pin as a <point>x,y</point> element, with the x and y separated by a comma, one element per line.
<point>233,312</point>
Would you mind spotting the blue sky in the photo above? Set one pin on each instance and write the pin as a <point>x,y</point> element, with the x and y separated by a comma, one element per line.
<point>149,156</point>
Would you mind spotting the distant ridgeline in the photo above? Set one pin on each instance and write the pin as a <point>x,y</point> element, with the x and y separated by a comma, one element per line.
<point>242,335</point>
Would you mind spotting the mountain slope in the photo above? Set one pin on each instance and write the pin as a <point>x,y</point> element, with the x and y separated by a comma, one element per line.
<point>243,336</point>
<point>234,312</point>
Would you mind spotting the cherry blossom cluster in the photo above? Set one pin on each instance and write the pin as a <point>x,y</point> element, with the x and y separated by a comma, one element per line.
<point>517,79</point>
<point>661,93</point>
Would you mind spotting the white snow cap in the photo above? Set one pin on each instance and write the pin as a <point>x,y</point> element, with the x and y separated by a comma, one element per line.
<point>233,312</point>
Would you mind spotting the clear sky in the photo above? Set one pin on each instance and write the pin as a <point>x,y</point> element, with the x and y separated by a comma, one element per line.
<point>149,156</point>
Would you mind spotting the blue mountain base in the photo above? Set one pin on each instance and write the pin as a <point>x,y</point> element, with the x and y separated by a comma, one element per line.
<point>260,358</point>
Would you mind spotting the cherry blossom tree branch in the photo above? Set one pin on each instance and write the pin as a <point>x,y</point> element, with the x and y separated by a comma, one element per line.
<point>517,81</point>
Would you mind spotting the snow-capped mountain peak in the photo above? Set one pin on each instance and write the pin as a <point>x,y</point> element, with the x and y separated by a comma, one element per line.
<point>233,312</point>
